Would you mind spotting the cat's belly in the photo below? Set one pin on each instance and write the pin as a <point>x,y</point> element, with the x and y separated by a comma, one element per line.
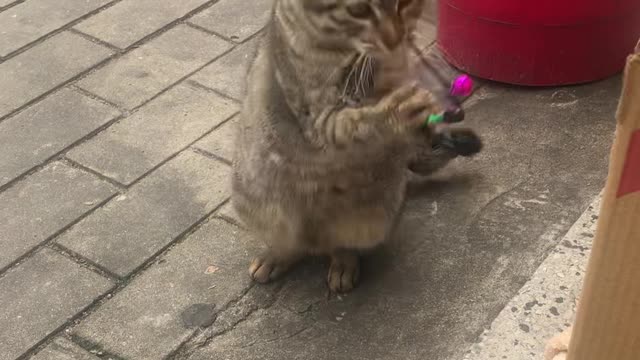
<point>361,177</point>
<point>344,203</point>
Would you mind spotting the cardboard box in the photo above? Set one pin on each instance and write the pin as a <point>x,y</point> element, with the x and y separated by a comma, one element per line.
<point>608,320</point>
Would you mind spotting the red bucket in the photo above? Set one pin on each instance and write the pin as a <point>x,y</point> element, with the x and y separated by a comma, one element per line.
<point>543,42</point>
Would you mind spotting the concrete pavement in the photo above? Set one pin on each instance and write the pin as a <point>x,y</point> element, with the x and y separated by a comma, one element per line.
<point>118,243</point>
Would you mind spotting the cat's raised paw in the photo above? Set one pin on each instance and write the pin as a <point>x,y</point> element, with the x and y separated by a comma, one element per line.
<point>409,107</point>
<point>463,142</point>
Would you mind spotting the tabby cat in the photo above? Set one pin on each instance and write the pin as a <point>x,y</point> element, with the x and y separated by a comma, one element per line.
<point>331,125</point>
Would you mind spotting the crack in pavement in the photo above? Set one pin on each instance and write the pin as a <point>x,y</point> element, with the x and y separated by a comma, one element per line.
<point>232,315</point>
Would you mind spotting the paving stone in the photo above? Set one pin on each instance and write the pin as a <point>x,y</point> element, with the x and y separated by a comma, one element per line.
<point>220,141</point>
<point>131,20</point>
<point>235,22</point>
<point>43,130</point>
<point>133,227</point>
<point>196,279</point>
<point>63,349</point>
<point>30,20</point>
<point>546,304</point>
<point>274,333</point>
<point>166,125</point>
<point>144,72</point>
<point>39,296</point>
<point>6,2</point>
<point>229,213</point>
<point>36,208</point>
<point>45,66</point>
<point>228,74</point>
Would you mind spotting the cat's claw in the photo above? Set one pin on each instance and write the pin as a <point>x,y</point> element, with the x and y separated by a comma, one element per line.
<point>409,107</point>
<point>266,268</point>
<point>344,272</point>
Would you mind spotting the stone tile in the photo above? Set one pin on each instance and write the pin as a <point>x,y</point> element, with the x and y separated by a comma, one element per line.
<point>63,349</point>
<point>546,304</point>
<point>30,20</point>
<point>6,2</point>
<point>274,333</point>
<point>166,125</point>
<point>133,227</point>
<point>229,213</point>
<point>46,128</point>
<point>38,207</point>
<point>220,141</point>
<point>228,74</point>
<point>157,310</point>
<point>34,305</point>
<point>45,66</point>
<point>131,20</point>
<point>142,73</point>
<point>233,20</point>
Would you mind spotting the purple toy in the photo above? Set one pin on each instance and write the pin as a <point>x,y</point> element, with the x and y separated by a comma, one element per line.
<point>461,86</point>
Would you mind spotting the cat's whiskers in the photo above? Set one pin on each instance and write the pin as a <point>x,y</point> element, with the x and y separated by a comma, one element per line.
<point>360,81</point>
<point>352,72</point>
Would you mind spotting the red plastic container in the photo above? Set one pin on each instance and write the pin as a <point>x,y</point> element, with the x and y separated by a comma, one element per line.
<point>543,42</point>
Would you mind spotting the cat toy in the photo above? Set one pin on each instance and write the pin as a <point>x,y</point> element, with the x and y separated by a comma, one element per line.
<point>460,87</point>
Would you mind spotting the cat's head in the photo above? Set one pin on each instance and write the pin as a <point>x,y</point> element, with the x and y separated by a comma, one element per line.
<point>367,26</point>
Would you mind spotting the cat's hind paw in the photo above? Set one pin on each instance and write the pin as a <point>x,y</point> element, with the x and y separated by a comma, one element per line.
<point>344,272</point>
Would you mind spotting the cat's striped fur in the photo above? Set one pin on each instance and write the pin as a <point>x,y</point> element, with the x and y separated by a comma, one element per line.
<point>329,127</point>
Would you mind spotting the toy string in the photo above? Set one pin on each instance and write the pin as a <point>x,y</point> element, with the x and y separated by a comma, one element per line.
<point>427,63</point>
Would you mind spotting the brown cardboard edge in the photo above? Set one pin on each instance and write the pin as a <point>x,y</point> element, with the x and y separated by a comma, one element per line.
<point>630,88</point>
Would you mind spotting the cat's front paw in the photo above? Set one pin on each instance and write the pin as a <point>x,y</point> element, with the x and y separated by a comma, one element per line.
<point>408,108</point>
<point>463,142</point>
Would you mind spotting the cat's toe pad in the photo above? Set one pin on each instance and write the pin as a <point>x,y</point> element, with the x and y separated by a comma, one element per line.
<point>343,274</point>
<point>264,268</point>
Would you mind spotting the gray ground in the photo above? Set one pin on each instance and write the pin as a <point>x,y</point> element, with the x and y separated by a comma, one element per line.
<point>117,240</point>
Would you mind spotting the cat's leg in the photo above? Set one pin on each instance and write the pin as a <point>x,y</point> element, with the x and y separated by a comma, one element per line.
<point>273,263</point>
<point>344,271</point>
<point>283,249</point>
<point>442,147</point>
<point>397,114</point>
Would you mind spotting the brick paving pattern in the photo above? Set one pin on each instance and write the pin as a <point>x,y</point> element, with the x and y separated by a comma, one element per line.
<point>115,148</point>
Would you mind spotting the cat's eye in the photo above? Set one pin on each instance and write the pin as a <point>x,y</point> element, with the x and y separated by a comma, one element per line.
<point>360,10</point>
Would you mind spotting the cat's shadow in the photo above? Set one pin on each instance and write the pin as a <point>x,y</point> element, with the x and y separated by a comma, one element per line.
<point>442,182</point>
